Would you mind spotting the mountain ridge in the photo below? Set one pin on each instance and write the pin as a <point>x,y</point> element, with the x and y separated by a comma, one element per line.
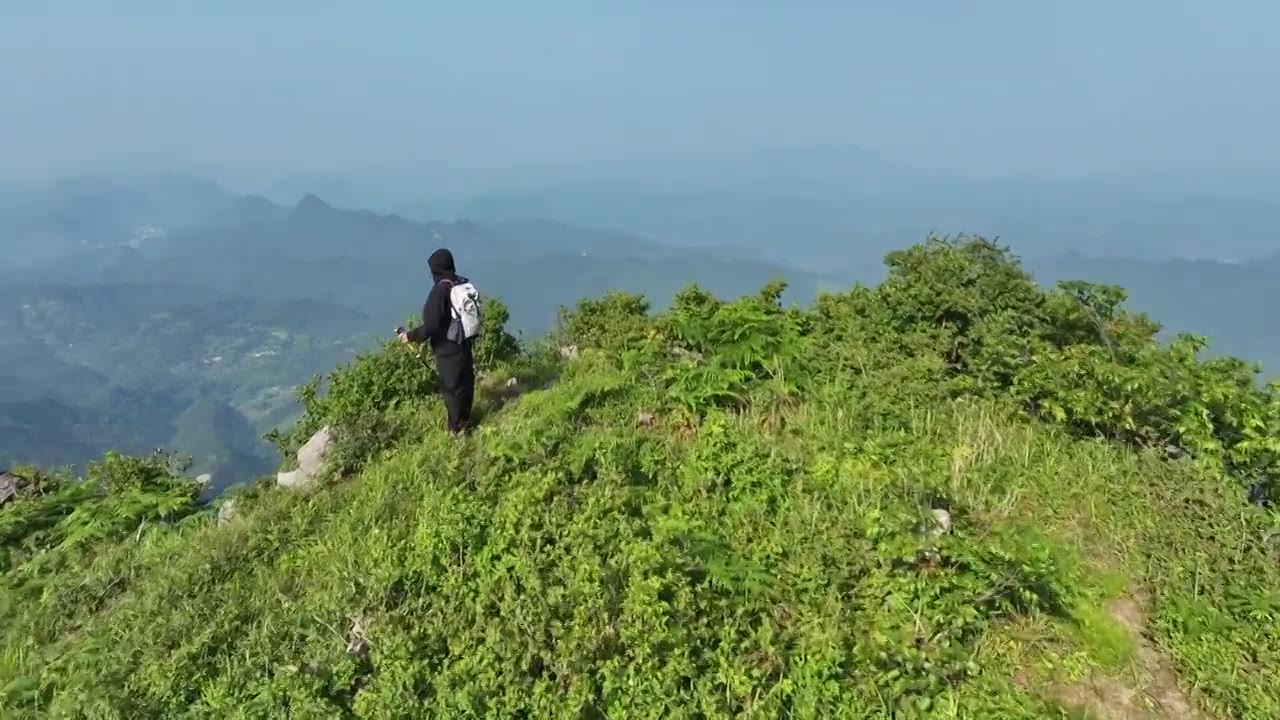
<point>919,499</point>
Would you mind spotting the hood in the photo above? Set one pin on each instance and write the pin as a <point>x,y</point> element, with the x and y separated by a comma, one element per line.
<point>441,264</point>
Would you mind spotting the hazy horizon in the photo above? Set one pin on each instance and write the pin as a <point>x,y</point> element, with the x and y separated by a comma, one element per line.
<point>246,95</point>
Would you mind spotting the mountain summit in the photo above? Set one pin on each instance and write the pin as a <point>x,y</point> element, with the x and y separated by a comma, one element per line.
<point>310,204</point>
<point>953,495</point>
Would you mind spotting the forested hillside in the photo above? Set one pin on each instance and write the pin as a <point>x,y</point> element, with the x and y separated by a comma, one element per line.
<point>952,495</point>
<point>139,366</point>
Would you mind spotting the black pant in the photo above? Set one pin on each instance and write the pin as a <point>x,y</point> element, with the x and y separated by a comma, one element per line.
<point>457,372</point>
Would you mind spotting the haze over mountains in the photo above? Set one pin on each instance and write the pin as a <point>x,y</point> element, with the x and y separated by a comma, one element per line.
<point>167,310</point>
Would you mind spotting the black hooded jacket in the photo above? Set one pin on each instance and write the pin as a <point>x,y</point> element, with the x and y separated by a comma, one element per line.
<point>436,312</point>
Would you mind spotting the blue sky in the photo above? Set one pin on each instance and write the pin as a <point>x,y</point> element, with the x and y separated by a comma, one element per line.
<point>1003,87</point>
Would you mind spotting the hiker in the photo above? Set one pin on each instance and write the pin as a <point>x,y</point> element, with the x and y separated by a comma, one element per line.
<point>450,321</point>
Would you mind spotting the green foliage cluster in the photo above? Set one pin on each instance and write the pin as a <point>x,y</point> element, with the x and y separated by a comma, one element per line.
<point>372,384</point>
<point>1073,355</point>
<point>615,322</point>
<point>495,345</point>
<point>56,520</point>
<point>360,398</point>
<point>727,509</point>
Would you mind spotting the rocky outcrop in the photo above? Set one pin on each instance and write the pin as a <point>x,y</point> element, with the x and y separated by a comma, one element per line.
<point>9,485</point>
<point>227,512</point>
<point>310,461</point>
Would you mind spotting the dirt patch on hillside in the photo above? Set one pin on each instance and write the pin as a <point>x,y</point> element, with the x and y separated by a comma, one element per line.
<point>1153,694</point>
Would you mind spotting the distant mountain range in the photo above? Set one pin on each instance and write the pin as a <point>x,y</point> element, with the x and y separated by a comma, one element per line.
<point>41,224</point>
<point>849,232</point>
<point>376,264</point>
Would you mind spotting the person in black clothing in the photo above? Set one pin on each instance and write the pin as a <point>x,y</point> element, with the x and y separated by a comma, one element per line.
<point>454,362</point>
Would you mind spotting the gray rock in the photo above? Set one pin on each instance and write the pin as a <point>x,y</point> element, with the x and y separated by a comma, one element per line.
<point>685,354</point>
<point>569,352</point>
<point>941,522</point>
<point>204,480</point>
<point>9,485</point>
<point>310,460</point>
<point>227,512</point>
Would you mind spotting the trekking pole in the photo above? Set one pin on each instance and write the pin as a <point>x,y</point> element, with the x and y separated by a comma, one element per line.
<point>416,350</point>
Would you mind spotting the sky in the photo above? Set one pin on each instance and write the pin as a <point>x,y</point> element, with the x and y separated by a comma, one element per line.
<point>257,88</point>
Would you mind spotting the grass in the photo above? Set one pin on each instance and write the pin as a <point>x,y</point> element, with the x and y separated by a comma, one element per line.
<point>562,533</point>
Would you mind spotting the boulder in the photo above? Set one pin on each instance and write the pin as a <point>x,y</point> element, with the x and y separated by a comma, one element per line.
<point>942,521</point>
<point>9,484</point>
<point>310,460</point>
<point>939,523</point>
<point>227,512</point>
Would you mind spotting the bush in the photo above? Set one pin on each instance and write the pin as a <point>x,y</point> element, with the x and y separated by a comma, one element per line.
<point>949,289</point>
<point>373,383</point>
<point>495,345</point>
<point>1074,356</point>
<point>726,349</point>
<point>57,517</point>
<point>361,438</point>
<point>613,323</point>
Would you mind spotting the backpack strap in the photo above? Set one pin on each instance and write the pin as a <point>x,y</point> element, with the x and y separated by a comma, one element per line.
<point>453,311</point>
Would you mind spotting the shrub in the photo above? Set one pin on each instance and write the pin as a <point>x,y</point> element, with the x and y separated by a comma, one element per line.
<point>59,516</point>
<point>726,349</point>
<point>950,288</point>
<point>372,383</point>
<point>360,438</point>
<point>612,323</point>
<point>1075,356</point>
<point>495,345</point>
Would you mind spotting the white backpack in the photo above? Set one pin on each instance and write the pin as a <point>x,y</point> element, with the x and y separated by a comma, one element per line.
<point>466,311</point>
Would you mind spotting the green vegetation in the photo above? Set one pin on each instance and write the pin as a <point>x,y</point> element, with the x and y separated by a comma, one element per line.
<point>1216,299</point>
<point>954,495</point>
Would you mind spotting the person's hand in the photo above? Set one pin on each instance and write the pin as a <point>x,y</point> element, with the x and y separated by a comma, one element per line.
<point>404,337</point>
